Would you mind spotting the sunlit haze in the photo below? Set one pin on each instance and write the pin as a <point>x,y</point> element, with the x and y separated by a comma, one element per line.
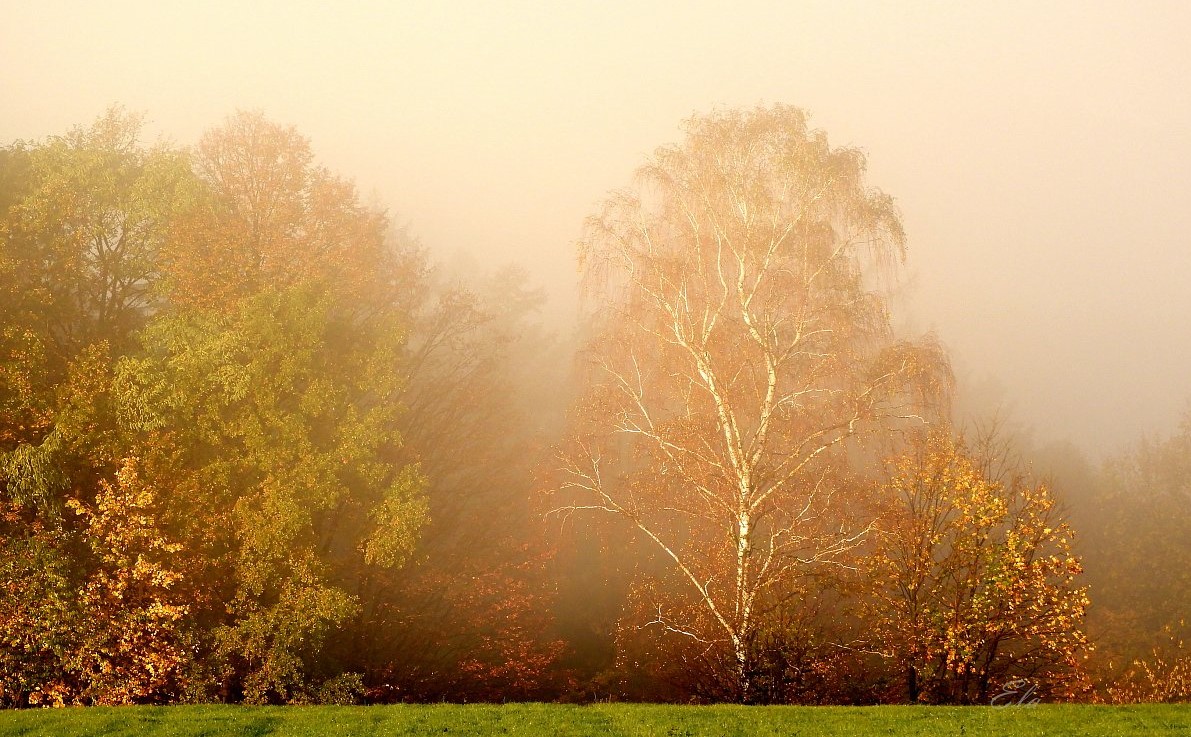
<point>1040,153</point>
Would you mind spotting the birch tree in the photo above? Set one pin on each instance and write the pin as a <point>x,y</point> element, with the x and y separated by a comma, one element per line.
<point>741,345</point>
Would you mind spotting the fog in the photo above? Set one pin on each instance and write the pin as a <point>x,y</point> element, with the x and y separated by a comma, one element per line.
<point>1041,156</point>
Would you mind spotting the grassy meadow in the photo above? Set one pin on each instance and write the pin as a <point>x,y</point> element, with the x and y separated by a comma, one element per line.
<point>628,720</point>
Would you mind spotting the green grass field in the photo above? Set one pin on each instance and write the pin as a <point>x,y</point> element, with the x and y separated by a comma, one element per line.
<point>614,719</point>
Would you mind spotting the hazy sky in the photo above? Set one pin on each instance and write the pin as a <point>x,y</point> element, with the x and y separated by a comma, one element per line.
<point>1040,152</point>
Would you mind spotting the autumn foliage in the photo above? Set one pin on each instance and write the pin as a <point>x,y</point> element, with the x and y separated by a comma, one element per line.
<point>258,446</point>
<point>975,581</point>
<point>740,351</point>
<point>211,362</point>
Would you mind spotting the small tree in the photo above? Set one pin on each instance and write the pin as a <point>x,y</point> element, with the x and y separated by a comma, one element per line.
<point>739,343</point>
<point>1162,677</point>
<point>975,579</point>
<point>133,622</point>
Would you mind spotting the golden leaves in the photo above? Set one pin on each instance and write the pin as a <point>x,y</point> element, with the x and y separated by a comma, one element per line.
<point>976,572</point>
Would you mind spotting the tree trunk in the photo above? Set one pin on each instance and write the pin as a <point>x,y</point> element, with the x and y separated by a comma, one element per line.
<point>743,675</point>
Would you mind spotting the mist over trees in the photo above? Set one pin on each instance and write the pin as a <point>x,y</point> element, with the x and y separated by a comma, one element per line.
<point>257,445</point>
<point>235,401</point>
<point>739,351</point>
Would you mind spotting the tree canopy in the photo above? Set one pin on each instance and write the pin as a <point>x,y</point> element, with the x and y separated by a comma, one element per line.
<point>741,345</point>
<point>259,445</point>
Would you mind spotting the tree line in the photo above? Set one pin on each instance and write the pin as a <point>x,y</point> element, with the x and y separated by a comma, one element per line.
<point>257,446</point>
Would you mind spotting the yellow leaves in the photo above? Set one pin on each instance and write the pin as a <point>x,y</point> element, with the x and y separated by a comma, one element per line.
<point>398,519</point>
<point>54,694</point>
<point>999,567</point>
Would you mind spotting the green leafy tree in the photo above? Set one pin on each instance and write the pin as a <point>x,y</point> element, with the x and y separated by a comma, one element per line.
<point>81,246</point>
<point>84,216</point>
<point>38,610</point>
<point>275,427</point>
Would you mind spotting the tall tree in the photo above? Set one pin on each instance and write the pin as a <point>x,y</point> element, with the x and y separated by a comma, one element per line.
<point>740,344</point>
<point>271,218</point>
<point>258,416</point>
<point>84,217</point>
<point>82,243</point>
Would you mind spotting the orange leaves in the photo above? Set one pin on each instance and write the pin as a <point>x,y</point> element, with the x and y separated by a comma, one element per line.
<point>123,530</point>
<point>134,618</point>
<point>270,219</point>
<point>108,634</point>
<point>739,354</point>
<point>976,575</point>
